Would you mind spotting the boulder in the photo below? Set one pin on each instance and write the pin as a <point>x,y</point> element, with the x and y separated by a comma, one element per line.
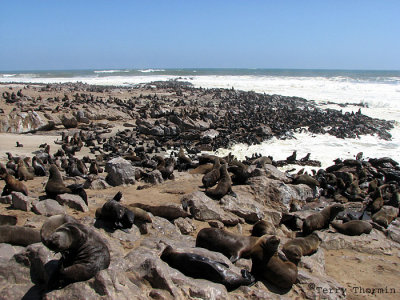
<point>69,121</point>
<point>20,122</point>
<point>48,208</point>
<point>244,207</point>
<point>6,199</point>
<point>153,177</point>
<point>185,225</point>
<point>203,208</point>
<point>22,202</point>
<point>120,171</point>
<point>72,201</point>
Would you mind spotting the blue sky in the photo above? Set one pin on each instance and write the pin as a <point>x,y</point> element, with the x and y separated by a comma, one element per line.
<point>323,34</point>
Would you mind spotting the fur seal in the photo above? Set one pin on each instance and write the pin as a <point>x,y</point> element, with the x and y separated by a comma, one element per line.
<point>19,235</point>
<point>321,219</point>
<point>353,227</point>
<point>269,266</point>
<point>84,252</point>
<point>385,215</point>
<point>116,214</point>
<point>263,227</point>
<point>55,185</point>
<point>224,185</point>
<point>232,245</point>
<point>23,173</point>
<point>198,266</point>
<point>298,247</point>
<point>13,185</point>
<point>211,178</point>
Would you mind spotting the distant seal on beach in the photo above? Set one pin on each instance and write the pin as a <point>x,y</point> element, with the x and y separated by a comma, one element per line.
<point>232,245</point>
<point>267,265</point>
<point>198,266</point>
<point>55,185</point>
<point>298,247</point>
<point>263,227</point>
<point>84,252</point>
<point>224,185</point>
<point>321,219</point>
<point>353,227</point>
<point>13,185</point>
<point>19,235</point>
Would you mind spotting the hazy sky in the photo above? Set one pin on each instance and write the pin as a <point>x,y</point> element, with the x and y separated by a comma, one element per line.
<point>69,34</point>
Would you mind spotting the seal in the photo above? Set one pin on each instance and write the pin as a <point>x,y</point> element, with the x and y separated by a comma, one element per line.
<point>321,219</point>
<point>211,178</point>
<point>267,265</point>
<point>198,266</point>
<point>13,185</point>
<point>298,247</point>
<point>231,245</point>
<point>117,215</point>
<point>353,227</point>
<point>55,185</point>
<point>224,185</point>
<point>263,227</point>
<point>23,173</point>
<point>19,235</point>
<point>385,215</point>
<point>84,252</point>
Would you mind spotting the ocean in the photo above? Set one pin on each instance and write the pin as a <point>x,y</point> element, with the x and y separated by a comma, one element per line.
<point>377,91</point>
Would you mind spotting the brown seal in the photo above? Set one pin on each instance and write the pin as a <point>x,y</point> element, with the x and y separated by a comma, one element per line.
<point>84,252</point>
<point>18,235</point>
<point>267,265</point>
<point>353,227</point>
<point>224,185</point>
<point>263,227</point>
<point>23,173</point>
<point>198,266</point>
<point>298,247</point>
<point>13,185</point>
<point>385,215</point>
<point>211,178</point>
<point>232,245</point>
<point>321,219</point>
<point>55,185</point>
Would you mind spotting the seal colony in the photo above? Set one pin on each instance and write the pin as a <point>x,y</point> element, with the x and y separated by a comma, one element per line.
<point>263,236</point>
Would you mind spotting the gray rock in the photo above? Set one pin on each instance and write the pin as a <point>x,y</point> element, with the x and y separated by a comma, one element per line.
<point>96,184</point>
<point>22,202</point>
<point>274,173</point>
<point>20,122</point>
<point>6,199</point>
<point>216,224</point>
<point>203,208</point>
<point>72,201</point>
<point>185,225</point>
<point>153,177</point>
<point>48,208</point>
<point>243,207</point>
<point>69,121</point>
<point>7,250</point>
<point>120,171</point>
<point>393,230</point>
<point>385,215</point>
<point>129,235</point>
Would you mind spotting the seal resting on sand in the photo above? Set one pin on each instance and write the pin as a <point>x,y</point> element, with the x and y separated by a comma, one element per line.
<point>84,252</point>
<point>19,235</point>
<point>13,185</point>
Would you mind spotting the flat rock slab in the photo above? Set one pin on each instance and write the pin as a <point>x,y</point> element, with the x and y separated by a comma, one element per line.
<point>22,202</point>
<point>72,201</point>
<point>48,208</point>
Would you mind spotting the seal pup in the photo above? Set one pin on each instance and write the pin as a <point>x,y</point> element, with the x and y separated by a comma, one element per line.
<point>231,245</point>
<point>321,219</point>
<point>353,227</point>
<point>198,266</point>
<point>211,178</point>
<point>19,235</point>
<point>23,173</point>
<point>298,247</point>
<point>267,265</point>
<point>55,186</point>
<point>116,214</point>
<point>224,185</point>
<point>84,252</point>
<point>13,185</point>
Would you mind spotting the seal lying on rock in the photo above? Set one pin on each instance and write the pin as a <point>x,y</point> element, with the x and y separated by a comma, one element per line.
<point>224,185</point>
<point>18,235</point>
<point>232,245</point>
<point>55,186</point>
<point>321,219</point>
<point>84,252</point>
<point>116,214</point>
<point>298,247</point>
<point>198,266</point>
<point>353,227</point>
<point>269,266</point>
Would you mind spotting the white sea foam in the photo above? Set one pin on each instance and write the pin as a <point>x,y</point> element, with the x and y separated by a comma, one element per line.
<point>7,75</point>
<point>151,70</point>
<point>111,71</point>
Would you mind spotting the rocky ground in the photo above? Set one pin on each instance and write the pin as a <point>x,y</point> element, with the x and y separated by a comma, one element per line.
<point>156,119</point>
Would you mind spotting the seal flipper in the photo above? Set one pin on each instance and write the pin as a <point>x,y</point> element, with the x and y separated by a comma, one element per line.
<point>247,275</point>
